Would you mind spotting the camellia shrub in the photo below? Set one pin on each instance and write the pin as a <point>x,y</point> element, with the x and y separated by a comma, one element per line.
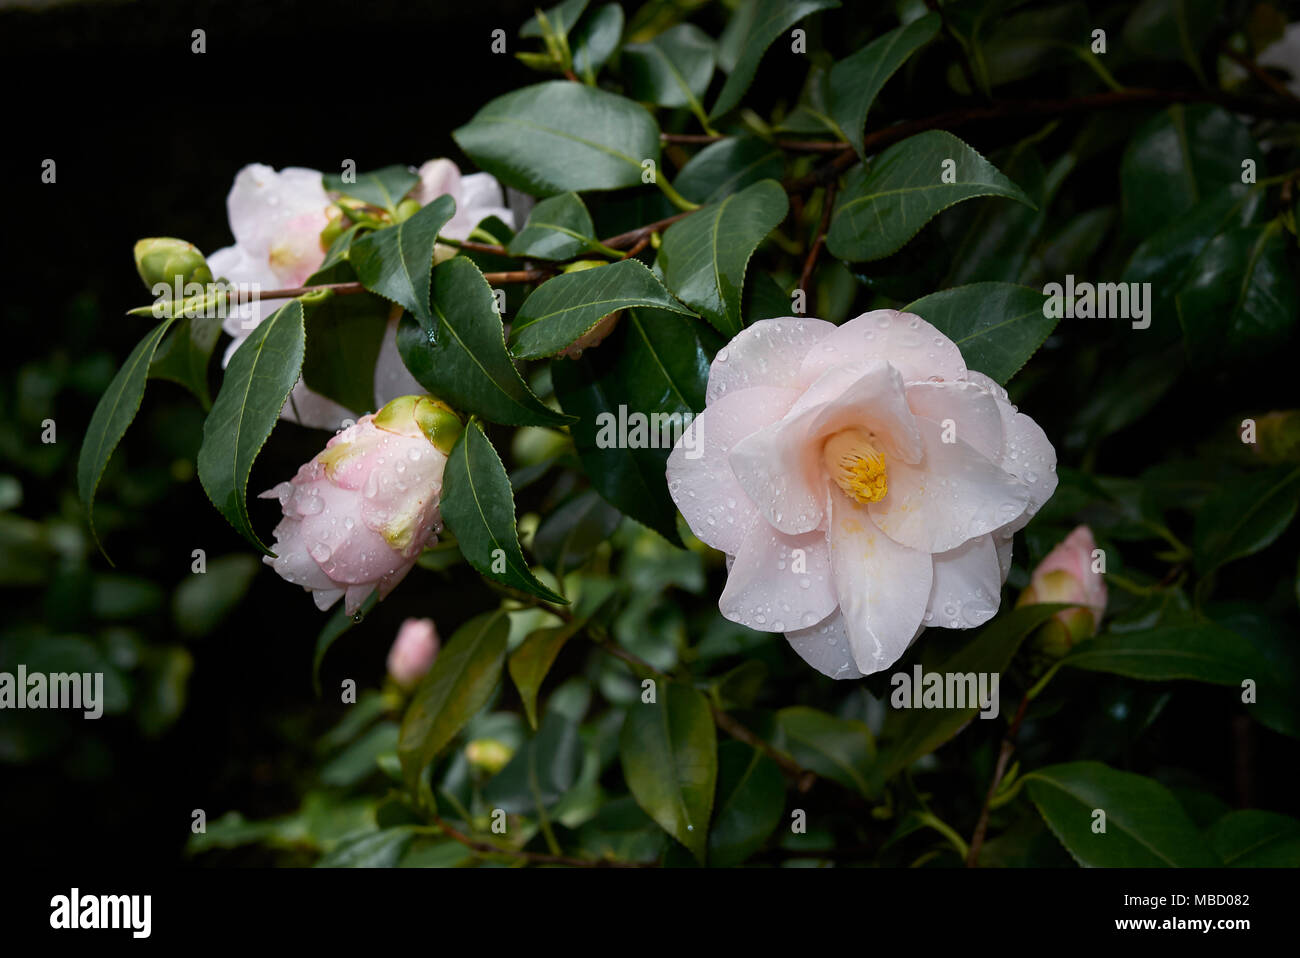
<point>859,433</point>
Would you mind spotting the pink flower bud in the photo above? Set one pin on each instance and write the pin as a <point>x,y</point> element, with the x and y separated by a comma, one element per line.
<point>413,652</point>
<point>358,515</point>
<point>1066,575</point>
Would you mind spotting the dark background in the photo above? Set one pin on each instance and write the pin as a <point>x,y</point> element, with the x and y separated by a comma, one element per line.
<point>148,138</point>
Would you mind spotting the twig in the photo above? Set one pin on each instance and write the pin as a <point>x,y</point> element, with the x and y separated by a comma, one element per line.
<point>828,201</point>
<point>801,775</point>
<point>1259,73</point>
<point>539,858</point>
<point>1004,756</point>
<point>793,146</point>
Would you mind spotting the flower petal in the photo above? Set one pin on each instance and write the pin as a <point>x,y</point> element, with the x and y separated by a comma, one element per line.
<point>700,477</point>
<point>780,466</point>
<point>967,588</point>
<point>1028,455</point>
<point>883,587</point>
<point>825,646</point>
<point>971,409</point>
<point>767,353</point>
<point>915,348</point>
<point>778,582</point>
<point>953,495</point>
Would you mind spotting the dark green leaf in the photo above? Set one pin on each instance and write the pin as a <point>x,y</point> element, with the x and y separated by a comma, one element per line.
<point>383,188</point>
<point>997,326</point>
<point>669,753</point>
<point>856,81</point>
<point>750,803</point>
<point>752,29</point>
<point>839,749</point>
<point>728,166</point>
<point>557,228</point>
<point>397,262</point>
<point>566,308</point>
<point>559,136</point>
<point>344,335</point>
<point>1246,515</point>
<point>185,356</point>
<point>561,18</point>
<point>479,509</point>
<point>113,415</point>
<point>656,362</point>
<point>459,352</point>
<point>885,204</point>
<point>1240,298</point>
<point>541,771</point>
<point>337,624</point>
<point>258,380</point>
<point>567,536</point>
<point>1251,838</point>
<point>596,39</point>
<point>533,659</point>
<point>703,257</point>
<point>1145,827</point>
<point>673,69</point>
<point>459,684</point>
<point>916,732</point>
<point>1204,653</point>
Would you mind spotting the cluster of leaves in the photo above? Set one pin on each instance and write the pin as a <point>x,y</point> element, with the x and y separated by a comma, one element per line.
<point>621,760</point>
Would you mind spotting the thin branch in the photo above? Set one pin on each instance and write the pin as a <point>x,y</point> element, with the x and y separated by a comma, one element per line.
<point>793,146</point>
<point>538,858</point>
<point>1004,757</point>
<point>801,775</point>
<point>1259,73</point>
<point>828,201</point>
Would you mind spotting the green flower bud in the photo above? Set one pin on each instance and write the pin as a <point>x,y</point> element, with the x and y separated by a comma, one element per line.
<point>406,209</point>
<point>171,262</point>
<point>422,415</point>
<point>335,228</point>
<point>488,754</point>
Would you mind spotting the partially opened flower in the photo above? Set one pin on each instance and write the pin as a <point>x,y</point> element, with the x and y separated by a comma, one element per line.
<point>358,515</point>
<point>1069,573</point>
<point>277,219</point>
<point>861,480</point>
<point>413,652</point>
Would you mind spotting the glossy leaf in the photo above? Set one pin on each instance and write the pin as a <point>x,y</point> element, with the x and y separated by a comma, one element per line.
<point>459,684</point>
<point>856,81</point>
<point>1145,827</point>
<point>566,308</point>
<point>533,659</point>
<point>1246,515</point>
<point>752,29</point>
<point>842,750</point>
<point>672,69</point>
<point>479,508</point>
<point>1205,653</point>
<point>885,204</point>
<point>559,136</point>
<point>997,326</point>
<point>703,257</point>
<point>750,804</point>
<point>383,188</point>
<point>344,334</point>
<point>727,167</point>
<point>458,352</point>
<point>669,753</point>
<point>113,416</point>
<point>185,355</point>
<point>1251,838</point>
<point>558,228</point>
<point>654,362</point>
<point>916,732</point>
<point>1240,299</point>
<point>261,374</point>
<point>596,39</point>
<point>397,262</point>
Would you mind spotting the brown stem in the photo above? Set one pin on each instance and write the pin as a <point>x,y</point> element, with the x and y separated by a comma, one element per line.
<point>793,146</point>
<point>828,201</point>
<point>1004,757</point>
<point>877,140</point>
<point>788,765</point>
<point>632,237</point>
<point>486,848</point>
<point>1259,73</point>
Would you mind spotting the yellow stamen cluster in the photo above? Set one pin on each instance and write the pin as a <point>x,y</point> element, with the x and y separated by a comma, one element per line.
<point>856,466</point>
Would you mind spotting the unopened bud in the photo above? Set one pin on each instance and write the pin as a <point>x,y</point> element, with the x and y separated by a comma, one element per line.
<point>1067,575</point>
<point>172,262</point>
<point>1278,437</point>
<point>488,754</point>
<point>413,652</point>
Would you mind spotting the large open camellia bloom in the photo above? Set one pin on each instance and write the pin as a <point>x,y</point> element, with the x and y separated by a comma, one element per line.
<point>863,483</point>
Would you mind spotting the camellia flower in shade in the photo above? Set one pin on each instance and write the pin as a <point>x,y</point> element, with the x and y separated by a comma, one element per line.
<point>277,219</point>
<point>413,652</point>
<point>863,483</point>
<point>357,516</point>
<point>1069,573</point>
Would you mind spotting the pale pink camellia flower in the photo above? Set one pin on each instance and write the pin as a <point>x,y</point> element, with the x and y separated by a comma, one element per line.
<point>413,652</point>
<point>863,483</point>
<point>277,219</point>
<point>1067,574</point>
<point>358,515</point>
